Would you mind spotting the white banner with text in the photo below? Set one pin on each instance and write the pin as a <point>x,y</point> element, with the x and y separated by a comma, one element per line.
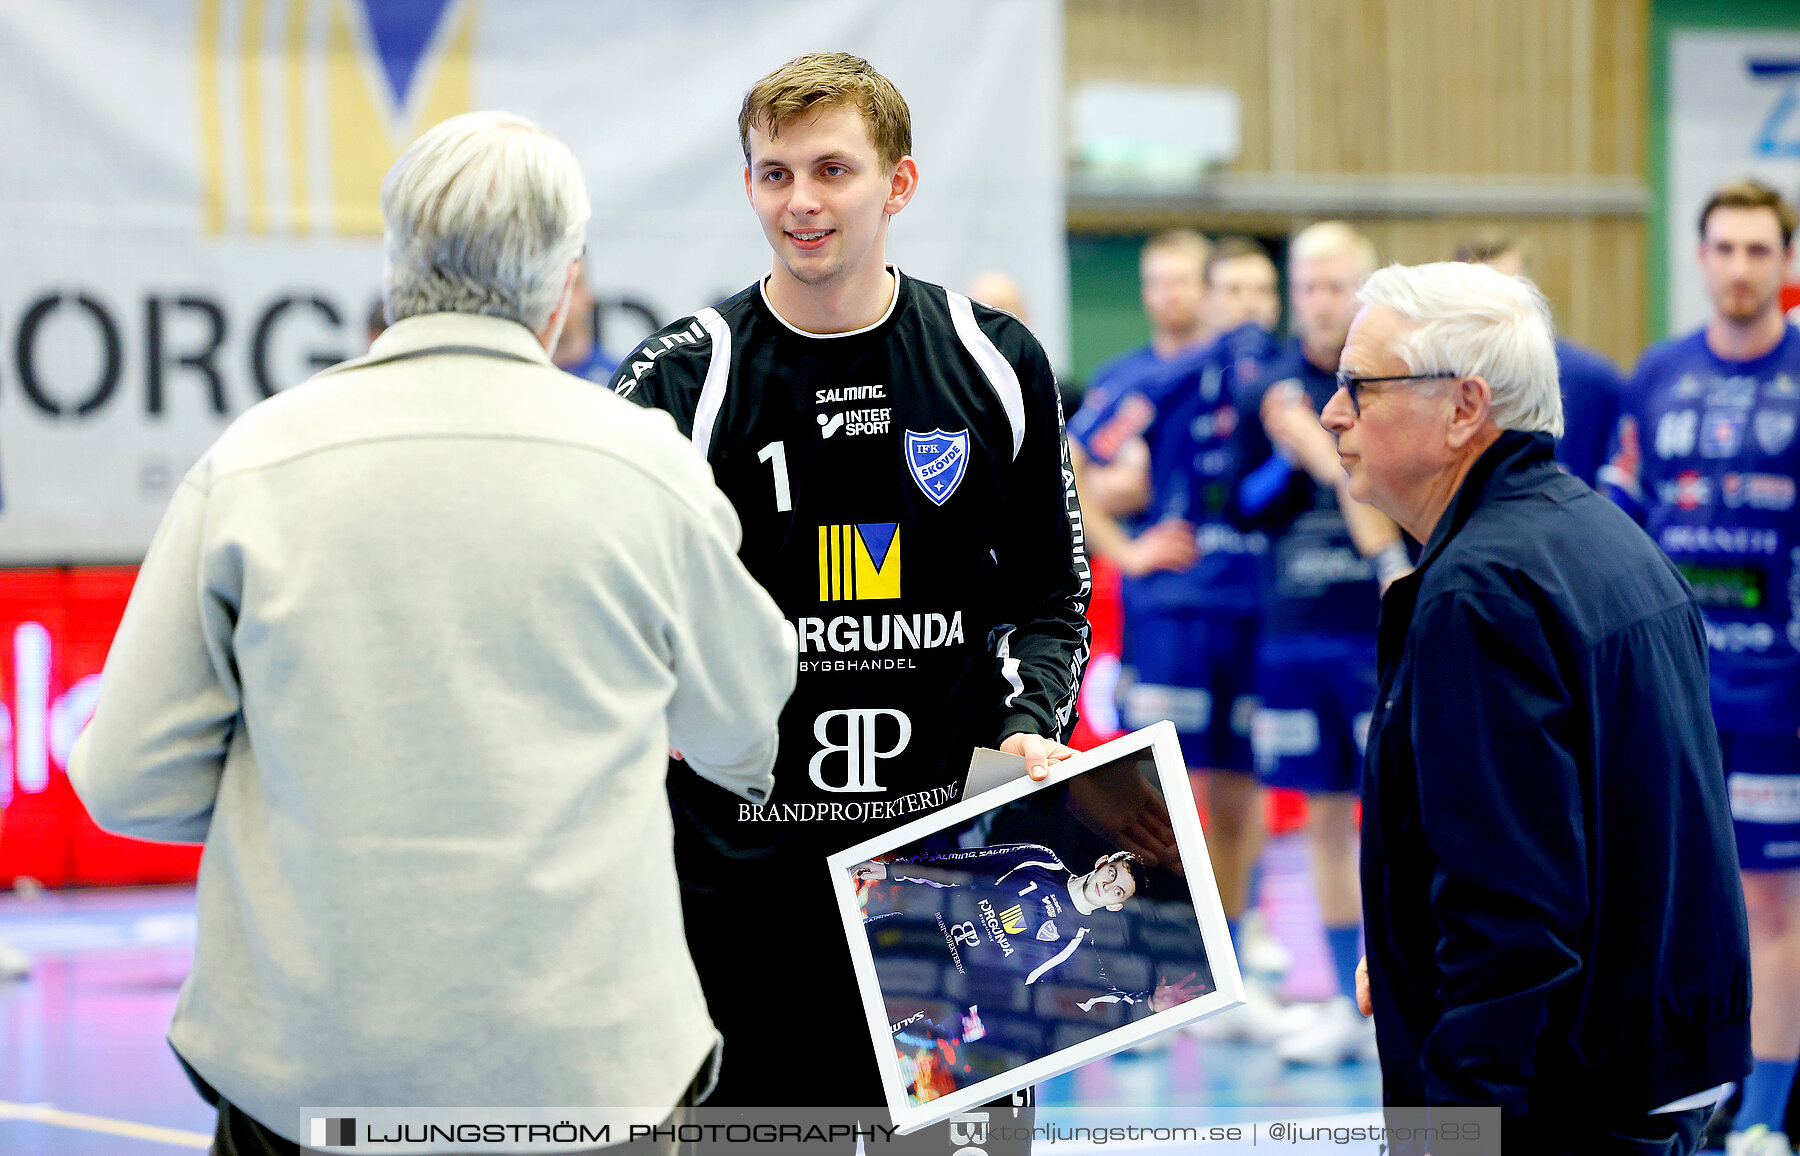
<point>190,191</point>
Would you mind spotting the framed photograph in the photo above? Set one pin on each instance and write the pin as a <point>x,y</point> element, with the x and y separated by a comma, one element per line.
<point>1036,927</point>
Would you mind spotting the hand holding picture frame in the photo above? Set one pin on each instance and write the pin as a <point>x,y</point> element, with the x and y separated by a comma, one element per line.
<point>1035,927</point>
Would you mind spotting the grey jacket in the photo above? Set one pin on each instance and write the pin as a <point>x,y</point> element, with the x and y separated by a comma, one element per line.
<point>407,654</point>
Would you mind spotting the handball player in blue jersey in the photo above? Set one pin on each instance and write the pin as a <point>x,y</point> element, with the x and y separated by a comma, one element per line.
<point>1172,287</point>
<point>1590,383</point>
<point>1706,457</point>
<point>1192,584</point>
<point>1331,558</point>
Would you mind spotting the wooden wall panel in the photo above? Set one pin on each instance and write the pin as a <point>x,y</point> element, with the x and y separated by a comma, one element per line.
<point>1219,42</point>
<point>1621,85</point>
<point>1338,111</point>
<point>1473,87</point>
<point>1589,268</point>
<point>1530,94</point>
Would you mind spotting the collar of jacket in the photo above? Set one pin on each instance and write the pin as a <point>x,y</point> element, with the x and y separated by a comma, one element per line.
<point>458,332</point>
<point>1499,469</point>
<point>1513,461</point>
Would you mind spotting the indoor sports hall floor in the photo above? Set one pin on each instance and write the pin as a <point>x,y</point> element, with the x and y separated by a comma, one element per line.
<point>84,1069</point>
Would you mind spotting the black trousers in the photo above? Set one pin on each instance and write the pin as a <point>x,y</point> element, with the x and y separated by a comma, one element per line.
<point>1665,1134</point>
<point>1572,1134</point>
<point>239,1134</point>
<point>779,983</point>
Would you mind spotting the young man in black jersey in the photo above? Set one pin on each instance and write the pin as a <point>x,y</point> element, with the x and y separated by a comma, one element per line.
<point>895,453</point>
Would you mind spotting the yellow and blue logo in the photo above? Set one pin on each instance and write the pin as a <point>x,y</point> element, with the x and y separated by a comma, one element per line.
<point>859,562</point>
<point>305,105</point>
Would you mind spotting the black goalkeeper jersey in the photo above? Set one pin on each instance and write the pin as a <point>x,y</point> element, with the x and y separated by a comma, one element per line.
<point>906,497</point>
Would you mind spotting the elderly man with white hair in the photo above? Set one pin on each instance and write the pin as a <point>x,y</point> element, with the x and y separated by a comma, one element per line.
<point>1554,919</point>
<point>407,655</point>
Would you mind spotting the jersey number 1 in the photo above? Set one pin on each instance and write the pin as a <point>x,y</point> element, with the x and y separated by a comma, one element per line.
<point>775,453</point>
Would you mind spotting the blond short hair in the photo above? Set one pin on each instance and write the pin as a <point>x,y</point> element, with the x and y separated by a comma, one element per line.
<point>819,80</point>
<point>1185,242</point>
<point>1329,238</point>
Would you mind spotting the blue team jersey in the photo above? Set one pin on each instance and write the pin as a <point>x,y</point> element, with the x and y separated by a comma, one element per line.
<point>1322,585</point>
<point>1705,458</point>
<point>1184,410</point>
<point>1590,397</point>
<point>1127,367</point>
<point>598,366</point>
<point>1003,908</point>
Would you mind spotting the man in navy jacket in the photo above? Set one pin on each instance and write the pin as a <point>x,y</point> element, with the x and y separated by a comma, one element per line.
<point>1554,919</point>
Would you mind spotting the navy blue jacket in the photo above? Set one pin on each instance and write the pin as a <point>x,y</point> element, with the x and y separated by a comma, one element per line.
<point>1555,921</point>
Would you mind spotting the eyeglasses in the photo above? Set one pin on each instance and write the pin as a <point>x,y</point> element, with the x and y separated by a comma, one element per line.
<point>1352,385</point>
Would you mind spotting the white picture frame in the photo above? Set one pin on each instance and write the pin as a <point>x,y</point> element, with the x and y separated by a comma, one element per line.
<point>931,1072</point>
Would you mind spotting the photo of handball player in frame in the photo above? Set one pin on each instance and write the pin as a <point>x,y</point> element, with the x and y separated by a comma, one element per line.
<point>1036,927</point>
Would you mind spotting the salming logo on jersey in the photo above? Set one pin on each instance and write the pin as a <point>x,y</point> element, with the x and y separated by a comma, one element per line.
<point>907,1022</point>
<point>858,563</point>
<point>645,357</point>
<point>850,393</point>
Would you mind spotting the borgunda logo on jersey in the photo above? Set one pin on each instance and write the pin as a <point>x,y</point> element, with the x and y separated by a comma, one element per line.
<point>937,461</point>
<point>859,561</point>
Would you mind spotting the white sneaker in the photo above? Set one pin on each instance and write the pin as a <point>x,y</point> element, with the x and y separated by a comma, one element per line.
<point>14,964</point>
<point>1757,1141</point>
<point>1261,1020</point>
<point>1262,953</point>
<point>1298,1017</point>
<point>1340,1035</point>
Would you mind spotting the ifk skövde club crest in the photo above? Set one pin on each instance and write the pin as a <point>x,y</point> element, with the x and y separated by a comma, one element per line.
<point>937,461</point>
